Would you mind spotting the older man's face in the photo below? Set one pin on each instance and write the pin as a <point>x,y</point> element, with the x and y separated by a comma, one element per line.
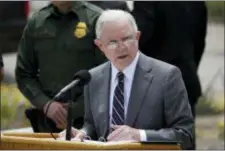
<point>119,43</point>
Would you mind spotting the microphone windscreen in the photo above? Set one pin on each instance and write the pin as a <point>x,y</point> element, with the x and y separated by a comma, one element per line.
<point>84,76</point>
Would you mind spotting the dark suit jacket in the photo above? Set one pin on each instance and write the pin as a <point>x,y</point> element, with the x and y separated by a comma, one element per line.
<point>197,11</point>
<point>1,61</point>
<point>158,102</point>
<point>166,35</point>
<point>1,67</point>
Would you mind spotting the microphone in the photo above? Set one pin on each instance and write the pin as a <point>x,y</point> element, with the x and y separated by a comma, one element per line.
<point>81,78</point>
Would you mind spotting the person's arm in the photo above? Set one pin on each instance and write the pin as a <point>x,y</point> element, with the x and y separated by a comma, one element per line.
<point>26,71</point>
<point>178,116</point>
<point>200,37</point>
<point>1,68</point>
<point>88,126</point>
<point>1,74</point>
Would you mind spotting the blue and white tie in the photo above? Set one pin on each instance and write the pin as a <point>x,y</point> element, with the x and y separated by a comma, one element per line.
<point>118,116</point>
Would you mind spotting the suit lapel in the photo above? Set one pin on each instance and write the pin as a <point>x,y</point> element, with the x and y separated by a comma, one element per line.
<point>141,82</point>
<point>103,99</point>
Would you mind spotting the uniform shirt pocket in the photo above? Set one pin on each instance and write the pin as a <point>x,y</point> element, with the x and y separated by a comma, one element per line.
<point>44,39</point>
<point>44,44</point>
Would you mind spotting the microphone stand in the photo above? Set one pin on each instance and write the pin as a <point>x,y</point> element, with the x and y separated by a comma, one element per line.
<point>69,116</point>
<point>74,95</point>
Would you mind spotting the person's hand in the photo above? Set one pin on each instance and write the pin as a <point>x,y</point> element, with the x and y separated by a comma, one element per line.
<point>124,133</point>
<point>74,131</point>
<point>65,105</point>
<point>57,112</point>
<point>80,135</point>
<point>76,134</point>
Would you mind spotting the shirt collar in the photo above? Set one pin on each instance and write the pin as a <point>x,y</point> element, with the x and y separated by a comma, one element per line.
<point>128,71</point>
<point>76,6</point>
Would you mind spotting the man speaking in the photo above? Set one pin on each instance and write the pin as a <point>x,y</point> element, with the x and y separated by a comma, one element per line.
<point>133,97</point>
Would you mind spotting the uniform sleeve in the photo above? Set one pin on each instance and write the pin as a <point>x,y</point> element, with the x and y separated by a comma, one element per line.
<point>26,71</point>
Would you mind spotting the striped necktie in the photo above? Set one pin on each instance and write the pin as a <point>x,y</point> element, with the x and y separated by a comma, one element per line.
<point>118,102</point>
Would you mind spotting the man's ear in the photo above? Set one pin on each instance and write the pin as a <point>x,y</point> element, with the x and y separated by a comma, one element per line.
<point>138,35</point>
<point>98,44</point>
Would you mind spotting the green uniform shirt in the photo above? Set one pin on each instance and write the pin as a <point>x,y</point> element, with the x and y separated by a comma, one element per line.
<point>53,48</point>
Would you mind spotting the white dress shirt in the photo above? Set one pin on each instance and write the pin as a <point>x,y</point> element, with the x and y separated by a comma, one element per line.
<point>128,80</point>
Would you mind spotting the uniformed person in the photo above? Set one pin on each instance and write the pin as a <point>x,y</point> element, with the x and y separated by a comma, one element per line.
<point>57,42</point>
<point>1,68</point>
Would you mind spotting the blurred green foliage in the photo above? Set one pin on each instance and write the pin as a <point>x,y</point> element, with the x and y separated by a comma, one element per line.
<point>13,105</point>
<point>215,10</point>
<point>210,106</point>
<point>221,129</point>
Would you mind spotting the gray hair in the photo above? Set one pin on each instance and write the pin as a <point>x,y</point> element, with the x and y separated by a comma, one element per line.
<point>112,16</point>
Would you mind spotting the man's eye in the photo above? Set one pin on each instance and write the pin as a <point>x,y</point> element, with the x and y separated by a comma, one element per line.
<point>127,38</point>
<point>112,43</point>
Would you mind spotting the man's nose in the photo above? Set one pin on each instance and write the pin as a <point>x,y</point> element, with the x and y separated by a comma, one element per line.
<point>121,44</point>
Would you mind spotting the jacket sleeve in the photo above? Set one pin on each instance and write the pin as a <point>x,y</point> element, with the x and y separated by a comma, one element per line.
<point>88,126</point>
<point>26,71</point>
<point>1,68</point>
<point>177,111</point>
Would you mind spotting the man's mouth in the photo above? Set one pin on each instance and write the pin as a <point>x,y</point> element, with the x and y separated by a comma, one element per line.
<point>122,57</point>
